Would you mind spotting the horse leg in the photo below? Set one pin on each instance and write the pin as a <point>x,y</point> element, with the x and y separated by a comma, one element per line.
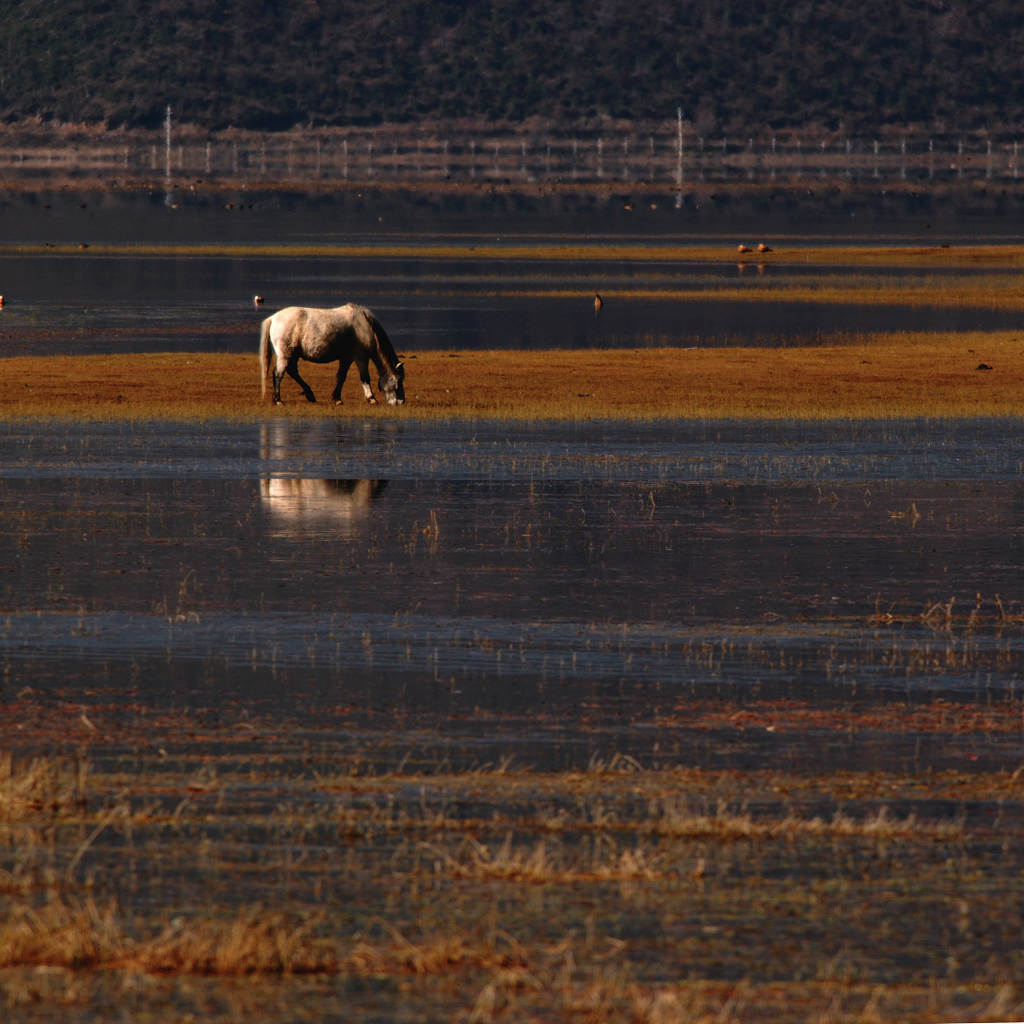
<point>364,377</point>
<point>277,375</point>
<point>343,365</point>
<point>279,368</point>
<point>293,371</point>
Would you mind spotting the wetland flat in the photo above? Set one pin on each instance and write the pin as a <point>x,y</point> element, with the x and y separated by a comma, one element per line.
<point>427,720</point>
<point>656,674</point>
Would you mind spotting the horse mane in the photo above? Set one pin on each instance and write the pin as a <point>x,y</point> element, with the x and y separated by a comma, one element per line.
<point>383,341</point>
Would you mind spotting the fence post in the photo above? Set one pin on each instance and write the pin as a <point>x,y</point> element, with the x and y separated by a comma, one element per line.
<point>167,144</point>
<point>679,155</point>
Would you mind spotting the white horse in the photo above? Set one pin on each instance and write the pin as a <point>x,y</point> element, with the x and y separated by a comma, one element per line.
<point>348,333</point>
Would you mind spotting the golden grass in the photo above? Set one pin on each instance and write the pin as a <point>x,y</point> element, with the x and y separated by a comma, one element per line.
<point>995,293</point>
<point>64,934</point>
<point>41,785</point>
<point>79,933</point>
<point>875,376</point>
<point>797,251</point>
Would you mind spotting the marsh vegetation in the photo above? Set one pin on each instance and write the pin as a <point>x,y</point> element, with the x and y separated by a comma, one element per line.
<point>611,892</point>
<point>658,673</point>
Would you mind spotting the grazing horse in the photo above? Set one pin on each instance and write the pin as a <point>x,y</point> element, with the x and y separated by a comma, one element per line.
<point>348,333</point>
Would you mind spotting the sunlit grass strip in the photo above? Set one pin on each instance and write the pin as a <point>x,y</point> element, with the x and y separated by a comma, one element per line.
<point>664,813</point>
<point>796,251</point>
<point>1001,294</point>
<point>872,376</point>
<point>546,862</point>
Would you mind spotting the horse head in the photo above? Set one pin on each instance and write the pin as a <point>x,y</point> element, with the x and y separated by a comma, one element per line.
<point>392,385</point>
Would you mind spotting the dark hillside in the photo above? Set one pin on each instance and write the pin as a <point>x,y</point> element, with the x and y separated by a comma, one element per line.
<point>730,66</point>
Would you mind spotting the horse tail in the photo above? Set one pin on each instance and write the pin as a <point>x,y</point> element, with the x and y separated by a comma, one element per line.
<point>265,355</point>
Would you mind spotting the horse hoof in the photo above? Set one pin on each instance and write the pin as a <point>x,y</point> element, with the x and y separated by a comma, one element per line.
<point>371,401</point>
<point>338,401</point>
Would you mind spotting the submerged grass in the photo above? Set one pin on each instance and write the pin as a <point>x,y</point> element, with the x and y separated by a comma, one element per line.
<point>613,892</point>
<point>865,376</point>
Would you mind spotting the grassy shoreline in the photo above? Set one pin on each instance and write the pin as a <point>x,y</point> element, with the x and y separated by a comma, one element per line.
<point>978,374</point>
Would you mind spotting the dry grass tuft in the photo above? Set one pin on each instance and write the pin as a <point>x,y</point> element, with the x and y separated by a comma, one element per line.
<point>255,942</point>
<point>401,956</point>
<point>79,933</point>
<point>541,864</point>
<point>60,934</point>
<point>42,784</point>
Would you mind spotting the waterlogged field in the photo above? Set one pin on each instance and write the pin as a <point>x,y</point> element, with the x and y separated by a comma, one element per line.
<point>428,721</point>
<point>459,712</point>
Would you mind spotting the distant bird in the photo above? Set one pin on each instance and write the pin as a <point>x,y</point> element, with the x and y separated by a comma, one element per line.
<point>742,248</point>
<point>257,300</point>
<point>761,247</point>
<point>598,303</point>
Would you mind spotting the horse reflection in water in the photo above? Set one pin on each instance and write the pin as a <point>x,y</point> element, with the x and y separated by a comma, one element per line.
<point>348,334</point>
<point>299,506</point>
<point>336,507</point>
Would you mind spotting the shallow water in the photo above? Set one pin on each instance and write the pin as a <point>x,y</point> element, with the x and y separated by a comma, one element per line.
<point>99,305</point>
<point>451,570</point>
<point>85,303</point>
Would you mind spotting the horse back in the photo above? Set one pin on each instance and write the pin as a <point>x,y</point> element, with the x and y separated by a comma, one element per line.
<point>323,335</point>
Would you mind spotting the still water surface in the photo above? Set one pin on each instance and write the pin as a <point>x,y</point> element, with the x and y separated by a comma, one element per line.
<point>98,305</point>
<point>453,569</point>
<point>90,303</point>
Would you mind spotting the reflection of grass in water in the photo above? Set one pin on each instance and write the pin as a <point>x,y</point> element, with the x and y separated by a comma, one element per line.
<point>868,376</point>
